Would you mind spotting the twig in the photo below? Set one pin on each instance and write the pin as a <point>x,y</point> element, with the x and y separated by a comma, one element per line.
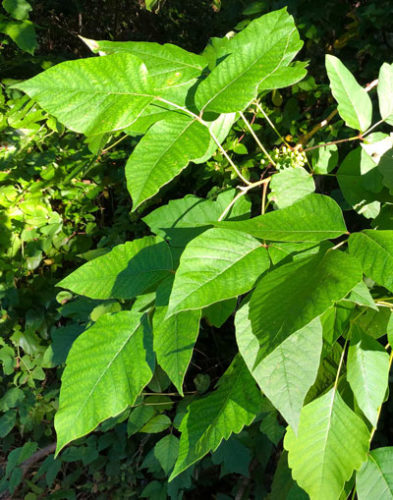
<point>259,107</point>
<point>306,138</point>
<point>244,190</point>
<point>254,135</point>
<point>36,457</point>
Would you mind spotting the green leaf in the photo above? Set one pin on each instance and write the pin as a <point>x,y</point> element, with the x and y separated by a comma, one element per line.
<point>234,404</point>
<point>367,373</point>
<point>162,154</point>
<point>284,487</point>
<point>139,417</point>
<point>22,33</point>
<point>80,93</point>
<point>156,425</point>
<point>233,456</point>
<point>107,367</point>
<point>314,218</point>
<point>361,296</point>
<point>7,423</point>
<point>182,220</point>
<point>174,338</point>
<point>159,59</point>
<point>218,313</point>
<point>271,427</point>
<point>126,271</point>
<point>354,104</point>
<point>285,76</point>
<point>285,375</point>
<point>359,180</point>
<point>331,442</point>
<point>18,9</point>
<point>217,265</point>
<point>291,296</point>
<point>385,93</point>
<point>374,250</point>
<point>290,185</point>
<point>166,451</point>
<point>287,252</point>
<point>385,167</point>
<point>375,323</point>
<point>375,478</point>
<point>257,53</point>
<point>325,159</point>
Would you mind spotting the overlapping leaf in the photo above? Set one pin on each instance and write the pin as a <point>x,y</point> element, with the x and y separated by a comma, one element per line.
<point>354,104</point>
<point>291,296</point>
<point>359,181</point>
<point>331,442</point>
<point>234,404</point>
<point>385,92</point>
<point>257,53</point>
<point>167,148</point>
<point>290,185</point>
<point>374,250</point>
<point>217,265</point>
<point>367,372</point>
<point>126,271</point>
<point>174,337</point>
<point>285,375</point>
<point>100,94</point>
<point>312,219</point>
<point>109,364</point>
<point>375,478</point>
<point>162,154</point>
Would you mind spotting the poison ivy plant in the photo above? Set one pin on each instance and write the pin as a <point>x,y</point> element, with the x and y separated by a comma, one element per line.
<point>309,291</point>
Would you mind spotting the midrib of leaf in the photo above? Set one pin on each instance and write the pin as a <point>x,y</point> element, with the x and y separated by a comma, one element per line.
<point>349,98</point>
<point>166,59</point>
<point>328,428</point>
<point>281,60</point>
<point>387,487</point>
<point>217,417</point>
<point>364,376</point>
<point>284,367</point>
<point>246,70</point>
<point>157,162</point>
<point>387,255</point>
<point>107,276</point>
<point>106,369</point>
<point>213,278</point>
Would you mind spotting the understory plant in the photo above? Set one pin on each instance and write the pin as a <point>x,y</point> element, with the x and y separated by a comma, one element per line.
<point>307,289</point>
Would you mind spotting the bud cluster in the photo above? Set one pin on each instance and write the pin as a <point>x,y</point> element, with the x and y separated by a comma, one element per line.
<point>285,157</point>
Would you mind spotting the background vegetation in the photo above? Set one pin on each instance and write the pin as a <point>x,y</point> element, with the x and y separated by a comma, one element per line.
<point>62,205</point>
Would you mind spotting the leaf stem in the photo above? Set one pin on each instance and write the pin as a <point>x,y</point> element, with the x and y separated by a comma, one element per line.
<point>264,191</point>
<point>331,143</point>
<point>212,135</point>
<point>261,110</point>
<point>244,190</point>
<point>114,144</point>
<point>372,127</point>
<point>340,364</point>
<point>256,139</point>
<point>306,138</point>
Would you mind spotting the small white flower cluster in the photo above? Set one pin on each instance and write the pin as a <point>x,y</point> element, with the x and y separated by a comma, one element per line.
<point>285,157</point>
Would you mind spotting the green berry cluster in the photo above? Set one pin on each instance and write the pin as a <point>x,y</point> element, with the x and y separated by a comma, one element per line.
<point>285,157</point>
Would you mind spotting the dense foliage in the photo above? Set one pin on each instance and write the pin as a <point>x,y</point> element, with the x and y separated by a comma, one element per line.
<point>227,329</point>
